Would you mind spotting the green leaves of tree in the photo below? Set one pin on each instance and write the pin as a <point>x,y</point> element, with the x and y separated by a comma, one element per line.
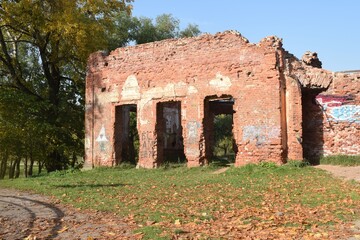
<point>44,46</point>
<point>165,26</point>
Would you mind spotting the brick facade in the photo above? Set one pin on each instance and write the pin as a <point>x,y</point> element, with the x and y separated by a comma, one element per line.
<point>334,119</point>
<point>176,87</point>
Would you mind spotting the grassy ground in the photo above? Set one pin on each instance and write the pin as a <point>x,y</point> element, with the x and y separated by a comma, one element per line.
<point>265,201</point>
<point>342,160</point>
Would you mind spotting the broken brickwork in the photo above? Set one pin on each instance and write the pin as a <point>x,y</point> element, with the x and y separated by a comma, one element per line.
<point>176,87</point>
<point>333,123</point>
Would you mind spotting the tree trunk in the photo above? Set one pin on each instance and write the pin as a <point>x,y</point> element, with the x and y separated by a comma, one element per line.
<point>26,166</point>
<point>17,167</point>
<point>73,160</point>
<point>55,161</point>
<point>40,166</point>
<point>31,159</point>
<point>11,169</point>
<point>3,165</point>
<point>31,166</point>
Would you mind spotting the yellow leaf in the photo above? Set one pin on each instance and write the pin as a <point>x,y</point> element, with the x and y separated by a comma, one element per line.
<point>63,229</point>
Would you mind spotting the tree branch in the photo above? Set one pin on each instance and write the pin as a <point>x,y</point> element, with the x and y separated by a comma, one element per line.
<point>8,61</point>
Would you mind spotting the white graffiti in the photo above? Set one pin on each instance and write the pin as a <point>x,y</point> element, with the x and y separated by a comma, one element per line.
<point>102,135</point>
<point>260,134</point>
<point>101,139</point>
<point>336,108</point>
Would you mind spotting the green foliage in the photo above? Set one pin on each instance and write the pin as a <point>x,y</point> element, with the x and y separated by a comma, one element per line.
<point>222,161</point>
<point>223,135</point>
<point>123,29</point>
<point>268,165</point>
<point>343,160</point>
<point>165,26</point>
<point>44,46</point>
<point>297,163</point>
<point>61,173</point>
<point>190,31</point>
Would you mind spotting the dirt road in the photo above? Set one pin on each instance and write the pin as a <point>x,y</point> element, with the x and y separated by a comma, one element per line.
<point>348,173</point>
<point>32,216</point>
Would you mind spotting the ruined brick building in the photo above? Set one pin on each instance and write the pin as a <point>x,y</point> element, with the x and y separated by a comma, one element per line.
<point>282,107</point>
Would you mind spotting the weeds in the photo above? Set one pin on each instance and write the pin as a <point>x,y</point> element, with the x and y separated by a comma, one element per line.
<point>297,163</point>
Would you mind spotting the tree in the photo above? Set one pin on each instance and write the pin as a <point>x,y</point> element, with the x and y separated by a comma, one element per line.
<point>165,26</point>
<point>44,45</point>
<point>223,135</point>
<point>190,31</point>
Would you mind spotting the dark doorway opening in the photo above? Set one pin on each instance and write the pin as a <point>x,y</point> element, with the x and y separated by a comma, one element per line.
<point>312,124</point>
<point>220,144</point>
<point>126,134</point>
<point>170,146</point>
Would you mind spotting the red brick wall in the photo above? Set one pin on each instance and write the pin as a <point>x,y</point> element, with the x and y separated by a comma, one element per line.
<point>341,115</point>
<point>294,118</point>
<point>331,116</point>
<point>188,70</point>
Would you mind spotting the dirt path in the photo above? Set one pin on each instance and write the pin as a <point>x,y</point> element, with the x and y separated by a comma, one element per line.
<point>348,173</point>
<point>32,216</point>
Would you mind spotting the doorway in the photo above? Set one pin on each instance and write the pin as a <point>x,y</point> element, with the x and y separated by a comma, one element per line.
<point>170,146</point>
<point>220,144</point>
<point>312,125</point>
<point>126,134</point>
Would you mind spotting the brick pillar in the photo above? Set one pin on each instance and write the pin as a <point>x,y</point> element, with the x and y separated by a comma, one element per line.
<point>147,134</point>
<point>194,147</point>
<point>294,119</point>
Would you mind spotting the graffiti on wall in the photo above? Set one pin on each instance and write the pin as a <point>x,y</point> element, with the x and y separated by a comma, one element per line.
<point>338,108</point>
<point>101,139</point>
<point>192,139</point>
<point>260,134</point>
<point>192,132</point>
<point>172,135</point>
<point>146,145</point>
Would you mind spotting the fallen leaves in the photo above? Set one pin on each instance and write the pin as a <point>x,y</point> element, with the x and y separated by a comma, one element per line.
<point>256,210</point>
<point>63,229</point>
<point>238,204</point>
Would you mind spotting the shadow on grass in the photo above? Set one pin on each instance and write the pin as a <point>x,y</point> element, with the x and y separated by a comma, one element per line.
<point>34,213</point>
<point>90,185</point>
<point>224,161</point>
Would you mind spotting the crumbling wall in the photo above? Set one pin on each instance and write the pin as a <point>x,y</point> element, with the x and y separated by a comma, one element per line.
<point>340,105</point>
<point>187,71</point>
<point>330,108</point>
<point>283,108</point>
<point>304,81</point>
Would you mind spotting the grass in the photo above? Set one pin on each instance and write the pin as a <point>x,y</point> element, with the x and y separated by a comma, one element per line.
<point>343,160</point>
<point>266,200</point>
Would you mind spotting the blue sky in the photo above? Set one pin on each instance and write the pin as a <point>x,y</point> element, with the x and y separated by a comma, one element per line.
<point>331,28</point>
